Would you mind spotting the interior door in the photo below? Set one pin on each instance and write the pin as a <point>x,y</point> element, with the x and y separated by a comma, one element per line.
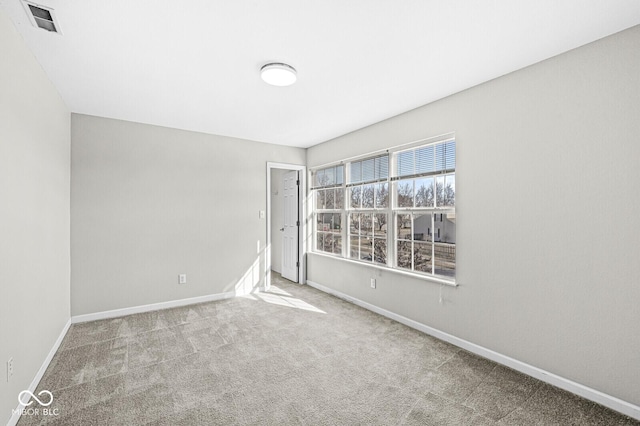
<point>290,261</point>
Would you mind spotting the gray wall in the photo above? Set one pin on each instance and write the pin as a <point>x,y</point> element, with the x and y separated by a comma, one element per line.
<point>557,140</point>
<point>277,218</point>
<point>34,215</point>
<point>149,203</point>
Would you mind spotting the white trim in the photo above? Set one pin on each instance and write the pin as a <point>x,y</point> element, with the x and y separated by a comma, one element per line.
<point>302,192</point>
<point>594,395</point>
<point>152,307</point>
<point>34,383</point>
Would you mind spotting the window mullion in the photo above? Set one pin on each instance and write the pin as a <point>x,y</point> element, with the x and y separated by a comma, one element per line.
<point>433,243</point>
<point>391,238</point>
<point>345,211</point>
<point>392,242</point>
<point>413,244</point>
<point>346,247</point>
<point>343,232</point>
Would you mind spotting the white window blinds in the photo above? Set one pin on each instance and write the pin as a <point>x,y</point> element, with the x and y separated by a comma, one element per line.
<point>328,177</point>
<point>427,160</point>
<point>369,170</point>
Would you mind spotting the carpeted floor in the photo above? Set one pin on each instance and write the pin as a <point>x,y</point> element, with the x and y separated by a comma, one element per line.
<point>294,355</point>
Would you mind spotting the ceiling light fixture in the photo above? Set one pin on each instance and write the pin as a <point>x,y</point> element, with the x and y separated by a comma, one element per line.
<point>278,74</point>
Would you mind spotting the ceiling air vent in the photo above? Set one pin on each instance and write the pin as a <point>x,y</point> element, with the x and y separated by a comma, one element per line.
<point>42,17</point>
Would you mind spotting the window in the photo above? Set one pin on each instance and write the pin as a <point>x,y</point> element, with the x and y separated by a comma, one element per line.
<point>425,188</point>
<point>328,192</point>
<point>368,188</point>
<point>398,208</point>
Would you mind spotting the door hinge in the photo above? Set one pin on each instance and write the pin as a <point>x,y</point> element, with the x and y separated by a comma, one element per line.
<point>297,223</point>
<point>297,264</point>
<point>298,182</point>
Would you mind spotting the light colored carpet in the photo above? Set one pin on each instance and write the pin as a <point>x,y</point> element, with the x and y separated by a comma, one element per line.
<point>294,355</point>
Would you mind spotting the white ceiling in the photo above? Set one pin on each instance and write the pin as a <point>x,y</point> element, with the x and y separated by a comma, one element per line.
<point>194,64</point>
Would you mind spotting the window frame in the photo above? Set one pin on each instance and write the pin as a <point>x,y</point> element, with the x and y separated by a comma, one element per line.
<point>350,209</point>
<point>314,199</point>
<point>391,210</point>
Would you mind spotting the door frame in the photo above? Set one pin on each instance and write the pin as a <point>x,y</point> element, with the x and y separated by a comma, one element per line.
<point>302,175</point>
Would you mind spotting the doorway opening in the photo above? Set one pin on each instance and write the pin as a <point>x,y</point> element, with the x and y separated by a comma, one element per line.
<point>286,222</point>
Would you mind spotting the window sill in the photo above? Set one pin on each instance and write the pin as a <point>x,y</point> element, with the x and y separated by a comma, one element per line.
<point>436,280</point>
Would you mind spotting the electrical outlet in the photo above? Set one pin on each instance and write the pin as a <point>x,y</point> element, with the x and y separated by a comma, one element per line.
<point>9,368</point>
<point>373,283</point>
<point>182,279</point>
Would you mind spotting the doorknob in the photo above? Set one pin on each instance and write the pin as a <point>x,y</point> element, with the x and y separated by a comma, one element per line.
<point>282,229</point>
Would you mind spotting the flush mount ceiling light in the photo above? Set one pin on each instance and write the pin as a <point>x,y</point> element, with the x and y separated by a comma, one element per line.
<point>278,74</point>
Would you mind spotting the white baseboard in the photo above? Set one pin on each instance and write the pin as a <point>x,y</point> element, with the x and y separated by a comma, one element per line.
<point>609,401</point>
<point>152,307</point>
<point>34,383</point>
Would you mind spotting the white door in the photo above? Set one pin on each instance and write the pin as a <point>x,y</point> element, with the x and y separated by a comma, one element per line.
<point>291,226</point>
